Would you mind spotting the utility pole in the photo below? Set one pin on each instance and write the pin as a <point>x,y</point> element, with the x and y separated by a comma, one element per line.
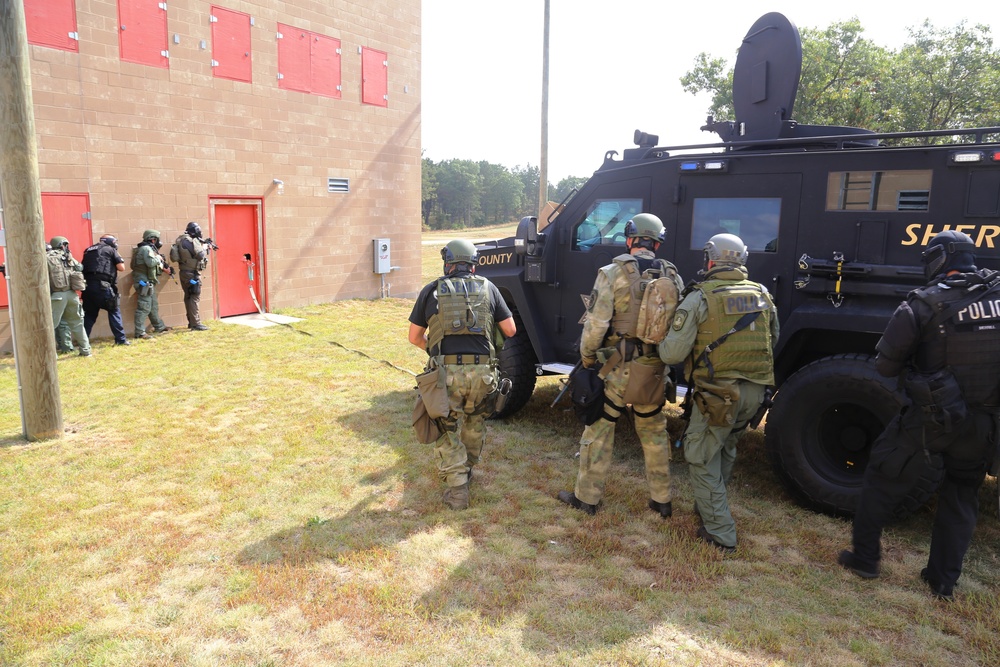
<point>543,165</point>
<point>30,304</point>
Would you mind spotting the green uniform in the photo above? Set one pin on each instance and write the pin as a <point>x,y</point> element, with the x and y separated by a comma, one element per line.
<point>67,311</point>
<point>147,265</point>
<point>743,364</point>
<point>611,301</point>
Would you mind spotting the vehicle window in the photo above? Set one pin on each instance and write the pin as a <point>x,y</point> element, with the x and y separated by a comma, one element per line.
<point>900,190</point>
<point>604,223</point>
<point>753,219</point>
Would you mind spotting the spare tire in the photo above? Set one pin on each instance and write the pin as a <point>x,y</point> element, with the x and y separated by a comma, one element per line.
<point>820,431</point>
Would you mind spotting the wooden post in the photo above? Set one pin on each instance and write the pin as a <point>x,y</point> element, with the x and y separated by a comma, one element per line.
<point>543,167</point>
<point>30,304</point>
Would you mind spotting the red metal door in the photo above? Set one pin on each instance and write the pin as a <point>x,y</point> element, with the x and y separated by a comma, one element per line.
<point>237,262</point>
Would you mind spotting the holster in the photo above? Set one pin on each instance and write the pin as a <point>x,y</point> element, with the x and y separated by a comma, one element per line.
<point>938,397</point>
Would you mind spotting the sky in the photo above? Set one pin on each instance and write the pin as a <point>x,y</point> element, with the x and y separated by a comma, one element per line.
<point>614,67</point>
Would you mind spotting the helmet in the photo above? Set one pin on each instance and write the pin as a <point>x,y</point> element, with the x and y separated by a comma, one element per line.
<point>460,250</point>
<point>151,234</point>
<point>949,251</point>
<point>59,243</point>
<point>646,226</point>
<point>193,230</point>
<point>109,239</point>
<point>726,249</point>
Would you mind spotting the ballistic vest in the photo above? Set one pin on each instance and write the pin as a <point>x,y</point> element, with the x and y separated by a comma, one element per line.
<point>966,342</point>
<point>59,270</point>
<point>100,263</point>
<point>138,263</point>
<point>747,353</point>
<point>464,309</point>
<point>188,260</point>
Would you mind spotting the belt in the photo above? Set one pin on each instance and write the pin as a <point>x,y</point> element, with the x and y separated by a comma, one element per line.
<point>634,347</point>
<point>465,359</point>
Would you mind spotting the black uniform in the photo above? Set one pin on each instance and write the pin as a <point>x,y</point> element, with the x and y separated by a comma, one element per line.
<point>100,269</point>
<point>943,344</point>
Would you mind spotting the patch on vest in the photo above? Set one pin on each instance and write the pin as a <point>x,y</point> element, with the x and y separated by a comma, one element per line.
<point>589,300</point>
<point>738,304</point>
<point>680,317</point>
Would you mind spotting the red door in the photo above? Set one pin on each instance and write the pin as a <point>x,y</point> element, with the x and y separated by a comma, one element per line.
<point>237,262</point>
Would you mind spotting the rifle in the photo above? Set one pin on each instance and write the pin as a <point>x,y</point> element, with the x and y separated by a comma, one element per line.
<point>210,243</point>
<point>167,268</point>
<point>566,383</point>
<point>762,410</point>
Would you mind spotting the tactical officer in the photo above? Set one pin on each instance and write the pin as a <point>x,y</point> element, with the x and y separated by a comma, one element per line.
<point>147,265</point>
<point>192,254</point>
<point>725,331</point>
<point>65,280</point>
<point>454,319</point>
<point>633,373</point>
<point>942,344</point>
<point>101,266</point>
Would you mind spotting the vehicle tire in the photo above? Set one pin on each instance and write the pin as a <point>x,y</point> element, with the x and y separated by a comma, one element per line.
<point>517,362</point>
<point>820,431</point>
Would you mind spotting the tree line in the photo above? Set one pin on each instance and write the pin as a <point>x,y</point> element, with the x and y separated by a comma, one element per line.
<point>939,79</point>
<point>463,193</point>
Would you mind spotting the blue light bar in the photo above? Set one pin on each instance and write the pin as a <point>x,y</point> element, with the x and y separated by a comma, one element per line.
<point>689,166</point>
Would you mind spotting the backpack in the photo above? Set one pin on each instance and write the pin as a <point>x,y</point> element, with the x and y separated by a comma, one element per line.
<point>58,272</point>
<point>659,300</point>
<point>175,253</point>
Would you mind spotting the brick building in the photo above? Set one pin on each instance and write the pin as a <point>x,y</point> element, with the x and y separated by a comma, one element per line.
<point>290,131</point>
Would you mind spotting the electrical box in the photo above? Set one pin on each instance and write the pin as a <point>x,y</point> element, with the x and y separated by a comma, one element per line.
<point>381,256</point>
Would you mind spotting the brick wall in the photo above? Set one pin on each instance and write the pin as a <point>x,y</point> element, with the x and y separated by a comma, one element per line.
<point>155,147</point>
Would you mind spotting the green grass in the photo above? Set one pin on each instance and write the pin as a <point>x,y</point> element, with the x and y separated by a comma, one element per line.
<point>255,497</point>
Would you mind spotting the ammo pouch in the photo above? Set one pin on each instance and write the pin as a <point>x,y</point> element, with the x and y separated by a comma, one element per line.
<point>427,429</point>
<point>194,287</point>
<point>646,384</point>
<point>77,282</point>
<point>587,394</point>
<point>434,392</point>
<point>939,399</point>
<point>718,401</point>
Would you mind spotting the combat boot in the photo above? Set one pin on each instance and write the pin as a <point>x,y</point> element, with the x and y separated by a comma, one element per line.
<point>457,497</point>
<point>570,499</point>
<point>666,510</point>
<point>939,590</point>
<point>850,561</point>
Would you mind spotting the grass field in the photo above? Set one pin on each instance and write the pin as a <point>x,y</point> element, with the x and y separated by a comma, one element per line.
<point>255,497</point>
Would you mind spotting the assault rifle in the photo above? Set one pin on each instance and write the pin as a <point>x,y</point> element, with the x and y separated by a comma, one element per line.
<point>210,243</point>
<point>566,383</point>
<point>166,267</point>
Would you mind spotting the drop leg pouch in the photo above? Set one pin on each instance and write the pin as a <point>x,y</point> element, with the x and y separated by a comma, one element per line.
<point>434,392</point>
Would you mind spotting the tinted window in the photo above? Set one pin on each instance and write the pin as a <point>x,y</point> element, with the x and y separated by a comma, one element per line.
<point>604,223</point>
<point>753,219</point>
<point>900,190</point>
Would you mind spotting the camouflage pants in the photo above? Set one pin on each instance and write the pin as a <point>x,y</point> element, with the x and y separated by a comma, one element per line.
<point>463,431</point>
<point>597,444</point>
<point>711,452</point>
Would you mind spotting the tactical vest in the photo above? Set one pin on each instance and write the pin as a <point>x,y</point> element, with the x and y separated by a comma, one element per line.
<point>99,263</point>
<point>140,266</point>
<point>629,285</point>
<point>747,353</point>
<point>59,272</point>
<point>966,342</point>
<point>187,259</point>
<point>464,309</point>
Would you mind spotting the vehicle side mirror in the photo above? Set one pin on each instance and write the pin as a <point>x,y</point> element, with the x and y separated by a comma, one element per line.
<point>528,240</point>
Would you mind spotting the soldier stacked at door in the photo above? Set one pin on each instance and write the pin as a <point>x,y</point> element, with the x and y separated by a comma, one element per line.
<point>191,253</point>
<point>455,319</point>
<point>632,371</point>
<point>725,331</point>
<point>147,265</point>
<point>942,344</point>
<point>65,280</point>
<point>101,266</point>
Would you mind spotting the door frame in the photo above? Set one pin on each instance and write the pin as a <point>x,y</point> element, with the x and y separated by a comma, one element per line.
<point>261,270</point>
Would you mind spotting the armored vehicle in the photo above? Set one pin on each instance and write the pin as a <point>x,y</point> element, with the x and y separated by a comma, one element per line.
<point>835,219</point>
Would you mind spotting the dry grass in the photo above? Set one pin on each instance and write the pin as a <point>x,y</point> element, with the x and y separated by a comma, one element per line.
<point>255,497</point>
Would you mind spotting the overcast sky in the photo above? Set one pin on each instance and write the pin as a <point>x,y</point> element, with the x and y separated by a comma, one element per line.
<point>614,67</point>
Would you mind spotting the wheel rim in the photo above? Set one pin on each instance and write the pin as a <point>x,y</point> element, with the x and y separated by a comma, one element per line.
<point>843,437</point>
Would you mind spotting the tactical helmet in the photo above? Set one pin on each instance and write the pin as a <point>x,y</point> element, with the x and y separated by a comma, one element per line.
<point>949,251</point>
<point>59,243</point>
<point>460,250</point>
<point>193,230</point>
<point>727,249</point>
<point>110,240</point>
<point>646,226</point>
<point>151,234</point>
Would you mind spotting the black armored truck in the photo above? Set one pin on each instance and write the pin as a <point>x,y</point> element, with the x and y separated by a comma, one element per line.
<point>835,219</point>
